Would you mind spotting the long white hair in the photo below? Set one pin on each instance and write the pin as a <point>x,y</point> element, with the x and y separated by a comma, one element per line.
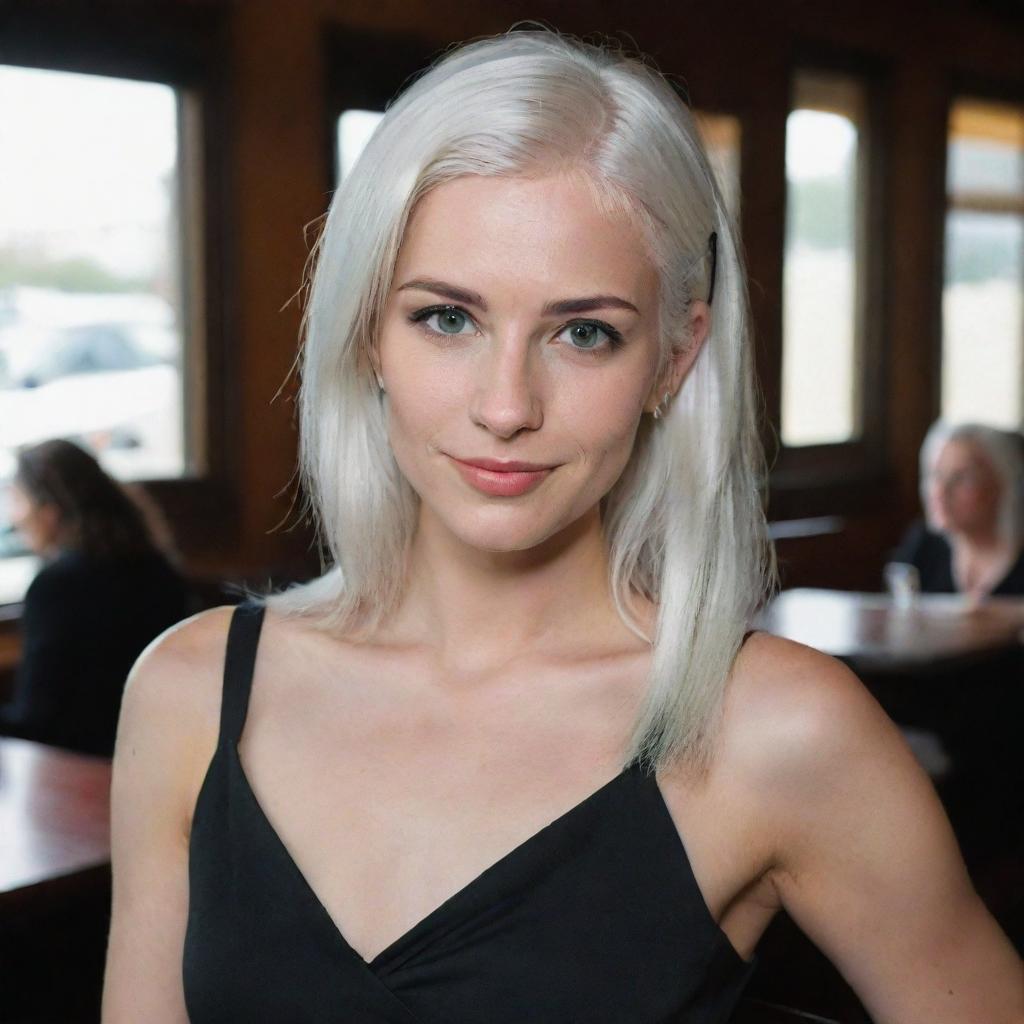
<point>685,523</point>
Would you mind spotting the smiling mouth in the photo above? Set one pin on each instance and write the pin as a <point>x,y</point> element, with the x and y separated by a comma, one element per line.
<point>505,482</point>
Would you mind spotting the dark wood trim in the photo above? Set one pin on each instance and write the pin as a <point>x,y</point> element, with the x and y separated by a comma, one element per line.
<point>832,468</point>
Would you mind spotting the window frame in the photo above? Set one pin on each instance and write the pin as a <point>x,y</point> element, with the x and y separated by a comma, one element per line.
<point>365,71</point>
<point>960,86</point>
<point>182,49</point>
<point>818,479</point>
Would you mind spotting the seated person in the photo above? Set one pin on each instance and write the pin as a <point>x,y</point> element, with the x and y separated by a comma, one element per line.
<point>105,591</point>
<point>972,490</point>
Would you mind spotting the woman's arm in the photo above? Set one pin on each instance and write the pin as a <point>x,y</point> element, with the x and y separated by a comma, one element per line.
<point>865,859</point>
<point>166,736</point>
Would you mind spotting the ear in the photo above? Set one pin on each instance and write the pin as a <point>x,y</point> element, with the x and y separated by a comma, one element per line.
<point>373,358</point>
<point>682,358</point>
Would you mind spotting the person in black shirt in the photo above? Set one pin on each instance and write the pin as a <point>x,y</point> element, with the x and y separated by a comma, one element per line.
<point>516,755</point>
<point>105,591</point>
<point>972,489</point>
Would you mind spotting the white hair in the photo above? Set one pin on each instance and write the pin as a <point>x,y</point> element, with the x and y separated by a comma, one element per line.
<point>1005,453</point>
<point>685,523</point>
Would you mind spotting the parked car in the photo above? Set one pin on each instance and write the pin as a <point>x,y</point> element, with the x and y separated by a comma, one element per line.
<point>94,348</point>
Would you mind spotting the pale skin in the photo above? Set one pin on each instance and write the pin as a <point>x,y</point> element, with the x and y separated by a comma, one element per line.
<point>502,692</point>
<point>963,494</point>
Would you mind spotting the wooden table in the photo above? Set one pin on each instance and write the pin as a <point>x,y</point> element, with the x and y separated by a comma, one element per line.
<point>54,819</point>
<point>54,883</point>
<point>873,635</point>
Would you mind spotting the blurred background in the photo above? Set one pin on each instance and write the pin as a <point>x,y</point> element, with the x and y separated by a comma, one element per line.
<point>162,170</point>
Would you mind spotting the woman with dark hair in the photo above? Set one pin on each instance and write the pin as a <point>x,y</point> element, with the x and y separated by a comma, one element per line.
<point>106,589</point>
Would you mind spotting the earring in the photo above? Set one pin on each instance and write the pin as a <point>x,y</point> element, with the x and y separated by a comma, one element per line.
<point>658,411</point>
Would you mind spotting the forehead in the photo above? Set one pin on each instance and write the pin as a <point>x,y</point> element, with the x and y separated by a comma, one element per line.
<point>961,452</point>
<point>538,235</point>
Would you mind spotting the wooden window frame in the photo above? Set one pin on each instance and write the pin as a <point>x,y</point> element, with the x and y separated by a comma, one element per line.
<point>960,87</point>
<point>366,69</point>
<point>182,48</point>
<point>820,479</point>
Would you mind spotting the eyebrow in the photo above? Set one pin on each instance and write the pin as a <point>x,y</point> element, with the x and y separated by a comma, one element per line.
<point>561,307</point>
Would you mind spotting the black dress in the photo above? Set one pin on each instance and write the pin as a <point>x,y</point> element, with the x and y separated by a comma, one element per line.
<point>85,621</point>
<point>595,919</point>
<point>933,557</point>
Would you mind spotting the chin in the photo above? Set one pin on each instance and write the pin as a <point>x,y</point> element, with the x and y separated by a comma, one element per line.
<point>506,530</point>
<point>502,539</point>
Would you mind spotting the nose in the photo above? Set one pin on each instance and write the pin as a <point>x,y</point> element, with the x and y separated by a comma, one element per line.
<point>506,397</point>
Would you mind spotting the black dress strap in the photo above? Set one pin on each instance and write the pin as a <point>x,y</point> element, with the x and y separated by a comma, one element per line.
<point>239,661</point>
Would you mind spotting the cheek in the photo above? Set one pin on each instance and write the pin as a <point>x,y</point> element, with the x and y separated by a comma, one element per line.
<point>425,416</point>
<point>604,430</point>
<point>988,500</point>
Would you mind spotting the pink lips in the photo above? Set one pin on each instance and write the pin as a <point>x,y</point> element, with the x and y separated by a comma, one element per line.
<point>503,479</point>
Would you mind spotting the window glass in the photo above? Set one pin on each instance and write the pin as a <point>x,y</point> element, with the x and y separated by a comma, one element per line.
<point>982,305</point>
<point>821,354</point>
<point>354,130</point>
<point>91,304</point>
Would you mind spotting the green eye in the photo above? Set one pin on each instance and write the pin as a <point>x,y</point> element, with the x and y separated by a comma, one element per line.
<point>451,321</point>
<point>591,336</point>
<point>586,335</point>
<point>444,320</point>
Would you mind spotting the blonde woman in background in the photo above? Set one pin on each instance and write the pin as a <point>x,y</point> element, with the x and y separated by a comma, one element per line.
<point>515,756</point>
<point>972,491</point>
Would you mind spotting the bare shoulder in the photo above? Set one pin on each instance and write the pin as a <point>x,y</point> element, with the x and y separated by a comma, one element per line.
<point>792,712</point>
<point>166,737</point>
<point>809,748</point>
<point>180,671</point>
<point>862,855</point>
<point>171,707</point>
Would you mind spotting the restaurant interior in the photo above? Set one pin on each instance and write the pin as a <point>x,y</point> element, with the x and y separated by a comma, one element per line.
<point>151,302</point>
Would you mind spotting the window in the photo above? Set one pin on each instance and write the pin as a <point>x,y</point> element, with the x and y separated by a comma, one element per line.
<point>823,285</point>
<point>354,130</point>
<point>982,307</point>
<point>94,317</point>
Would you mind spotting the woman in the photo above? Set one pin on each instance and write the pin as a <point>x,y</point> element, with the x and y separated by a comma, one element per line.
<point>106,590</point>
<point>507,760</point>
<point>972,490</point>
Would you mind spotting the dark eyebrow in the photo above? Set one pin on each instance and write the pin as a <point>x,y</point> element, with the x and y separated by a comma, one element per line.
<point>560,308</point>
<point>446,291</point>
<point>591,302</point>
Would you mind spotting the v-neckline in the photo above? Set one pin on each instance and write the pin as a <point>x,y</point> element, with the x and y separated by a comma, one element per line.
<point>426,923</point>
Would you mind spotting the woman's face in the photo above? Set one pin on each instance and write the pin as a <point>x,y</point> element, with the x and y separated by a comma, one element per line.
<point>37,523</point>
<point>522,325</point>
<point>964,489</point>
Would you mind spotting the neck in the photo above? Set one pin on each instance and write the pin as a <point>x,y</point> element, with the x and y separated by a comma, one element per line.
<point>480,609</point>
<point>979,543</point>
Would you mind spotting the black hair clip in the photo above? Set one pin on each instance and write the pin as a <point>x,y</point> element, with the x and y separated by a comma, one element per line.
<point>713,245</point>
